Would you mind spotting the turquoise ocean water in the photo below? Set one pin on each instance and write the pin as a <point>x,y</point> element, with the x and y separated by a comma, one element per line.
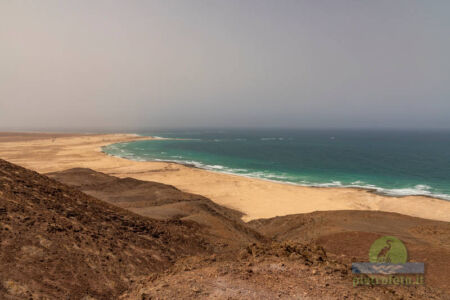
<point>391,162</point>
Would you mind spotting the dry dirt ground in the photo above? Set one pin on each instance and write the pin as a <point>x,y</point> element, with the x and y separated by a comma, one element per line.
<point>145,240</point>
<point>58,243</point>
<point>164,202</point>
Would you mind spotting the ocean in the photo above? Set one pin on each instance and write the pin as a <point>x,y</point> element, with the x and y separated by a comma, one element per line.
<point>397,163</point>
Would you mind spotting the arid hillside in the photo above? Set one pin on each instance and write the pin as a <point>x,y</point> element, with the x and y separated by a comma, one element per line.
<point>222,226</point>
<point>57,241</point>
<point>348,235</point>
<point>146,240</point>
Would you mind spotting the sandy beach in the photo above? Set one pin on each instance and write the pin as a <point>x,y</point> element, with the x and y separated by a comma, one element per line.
<point>254,197</point>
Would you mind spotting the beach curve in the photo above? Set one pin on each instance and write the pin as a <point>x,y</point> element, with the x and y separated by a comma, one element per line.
<point>256,198</point>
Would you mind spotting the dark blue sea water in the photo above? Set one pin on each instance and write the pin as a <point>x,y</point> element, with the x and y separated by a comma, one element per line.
<point>391,162</point>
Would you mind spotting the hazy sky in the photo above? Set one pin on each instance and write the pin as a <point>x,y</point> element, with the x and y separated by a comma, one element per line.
<point>128,64</point>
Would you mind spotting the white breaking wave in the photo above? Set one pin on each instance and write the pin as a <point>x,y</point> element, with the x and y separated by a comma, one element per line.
<point>357,182</point>
<point>331,184</point>
<point>272,139</point>
<point>417,190</point>
<point>217,167</point>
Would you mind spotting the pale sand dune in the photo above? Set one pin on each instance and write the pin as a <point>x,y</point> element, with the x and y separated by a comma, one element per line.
<point>254,197</point>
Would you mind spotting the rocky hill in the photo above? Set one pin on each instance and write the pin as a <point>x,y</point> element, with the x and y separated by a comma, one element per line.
<point>145,240</point>
<point>57,241</point>
<point>348,235</point>
<point>222,226</point>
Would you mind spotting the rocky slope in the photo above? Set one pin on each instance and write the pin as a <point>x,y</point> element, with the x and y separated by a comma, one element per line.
<point>57,241</point>
<point>348,236</point>
<point>153,241</point>
<point>221,225</point>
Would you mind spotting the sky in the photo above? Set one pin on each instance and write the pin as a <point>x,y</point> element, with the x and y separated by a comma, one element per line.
<point>123,65</point>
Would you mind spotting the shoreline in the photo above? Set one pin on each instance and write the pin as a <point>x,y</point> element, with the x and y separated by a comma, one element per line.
<point>374,190</point>
<point>359,188</point>
<point>256,198</point>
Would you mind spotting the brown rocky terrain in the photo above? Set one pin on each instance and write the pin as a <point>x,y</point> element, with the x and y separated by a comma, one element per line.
<point>163,202</point>
<point>286,270</point>
<point>59,242</point>
<point>348,235</point>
